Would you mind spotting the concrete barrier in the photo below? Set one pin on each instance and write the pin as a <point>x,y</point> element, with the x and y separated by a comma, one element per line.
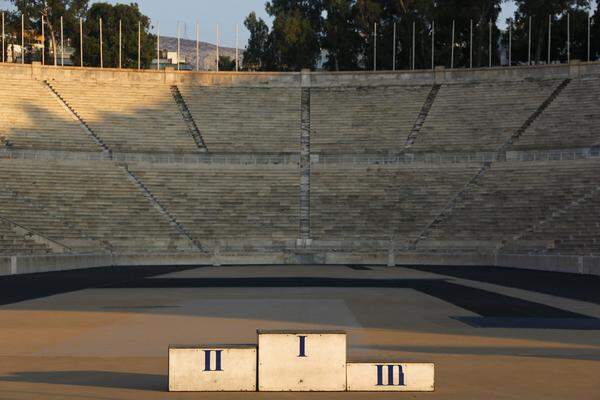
<point>301,361</point>
<point>227,368</point>
<point>5,266</point>
<point>62,262</point>
<point>391,377</point>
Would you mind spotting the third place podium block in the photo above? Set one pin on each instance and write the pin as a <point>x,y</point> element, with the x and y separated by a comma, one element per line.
<point>230,368</point>
<point>301,361</point>
<point>390,377</point>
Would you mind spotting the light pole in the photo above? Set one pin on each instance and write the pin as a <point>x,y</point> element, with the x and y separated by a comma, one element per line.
<point>394,49</point>
<point>62,43</point>
<point>101,49</point>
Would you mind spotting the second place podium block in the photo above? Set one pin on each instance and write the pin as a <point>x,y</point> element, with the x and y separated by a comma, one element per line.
<point>227,368</point>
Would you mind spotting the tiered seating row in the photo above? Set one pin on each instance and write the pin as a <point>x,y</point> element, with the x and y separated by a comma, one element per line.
<point>12,243</point>
<point>30,118</point>
<point>480,116</point>
<point>228,202</point>
<point>243,120</point>
<point>87,206</point>
<point>363,119</point>
<point>572,120</point>
<point>512,197</point>
<point>575,232</point>
<point>381,202</point>
<point>130,118</point>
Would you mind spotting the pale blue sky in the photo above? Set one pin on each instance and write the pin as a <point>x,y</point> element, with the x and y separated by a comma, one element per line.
<point>227,13</point>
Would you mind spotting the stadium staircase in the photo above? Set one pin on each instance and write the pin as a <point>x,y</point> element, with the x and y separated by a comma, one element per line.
<point>160,208</point>
<point>305,165</point>
<point>188,118</point>
<point>422,117</point>
<point>533,117</point>
<point>14,236</point>
<point>86,128</point>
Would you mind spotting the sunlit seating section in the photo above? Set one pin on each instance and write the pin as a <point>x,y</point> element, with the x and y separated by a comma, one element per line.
<point>246,119</point>
<point>83,204</point>
<point>31,118</point>
<point>571,121</point>
<point>480,116</point>
<point>381,202</point>
<point>514,197</point>
<point>364,119</point>
<point>13,243</point>
<point>217,202</point>
<point>130,118</point>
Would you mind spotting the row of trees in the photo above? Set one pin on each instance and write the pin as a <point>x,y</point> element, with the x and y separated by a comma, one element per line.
<point>342,33</point>
<point>71,11</point>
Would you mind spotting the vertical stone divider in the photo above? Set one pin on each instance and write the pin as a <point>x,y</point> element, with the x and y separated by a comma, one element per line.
<point>304,234</point>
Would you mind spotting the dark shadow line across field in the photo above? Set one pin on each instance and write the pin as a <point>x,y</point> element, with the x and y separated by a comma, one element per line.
<point>568,353</point>
<point>14,289</point>
<point>478,301</point>
<point>570,286</point>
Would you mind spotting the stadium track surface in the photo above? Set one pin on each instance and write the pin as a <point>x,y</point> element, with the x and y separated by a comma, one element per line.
<point>493,332</point>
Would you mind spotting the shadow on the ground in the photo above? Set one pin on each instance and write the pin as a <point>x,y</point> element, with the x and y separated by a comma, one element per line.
<point>108,379</point>
<point>568,353</point>
<point>569,286</point>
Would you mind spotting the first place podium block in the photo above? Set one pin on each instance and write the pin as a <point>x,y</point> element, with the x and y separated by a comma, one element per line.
<point>226,368</point>
<point>301,361</point>
<point>391,377</point>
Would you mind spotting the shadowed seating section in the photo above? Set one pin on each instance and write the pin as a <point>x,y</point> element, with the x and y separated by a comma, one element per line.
<point>479,116</point>
<point>576,231</point>
<point>83,205</point>
<point>364,119</point>
<point>30,118</point>
<point>12,243</point>
<point>374,203</point>
<point>217,202</point>
<point>246,120</point>
<point>571,121</point>
<point>514,197</point>
<point>130,118</point>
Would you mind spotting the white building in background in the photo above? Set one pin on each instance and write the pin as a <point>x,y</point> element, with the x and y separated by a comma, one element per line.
<point>170,59</point>
<point>14,53</point>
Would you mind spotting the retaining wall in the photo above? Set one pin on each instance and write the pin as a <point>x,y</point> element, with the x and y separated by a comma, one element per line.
<point>49,263</point>
<point>299,79</point>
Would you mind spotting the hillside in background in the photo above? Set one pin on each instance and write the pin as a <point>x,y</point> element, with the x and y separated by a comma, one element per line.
<point>208,52</point>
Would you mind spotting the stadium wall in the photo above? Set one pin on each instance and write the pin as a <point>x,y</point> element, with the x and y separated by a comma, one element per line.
<point>300,79</point>
<point>32,264</point>
<point>52,263</point>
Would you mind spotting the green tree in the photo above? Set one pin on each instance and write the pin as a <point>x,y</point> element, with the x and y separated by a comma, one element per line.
<point>340,40</point>
<point>479,12</point>
<point>296,32</point>
<point>540,11</point>
<point>52,10</point>
<point>226,63</point>
<point>258,55</point>
<point>129,15</point>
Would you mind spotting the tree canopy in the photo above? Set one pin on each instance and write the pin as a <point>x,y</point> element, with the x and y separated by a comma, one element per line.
<point>341,34</point>
<point>71,11</point>
<point>129,15</point>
